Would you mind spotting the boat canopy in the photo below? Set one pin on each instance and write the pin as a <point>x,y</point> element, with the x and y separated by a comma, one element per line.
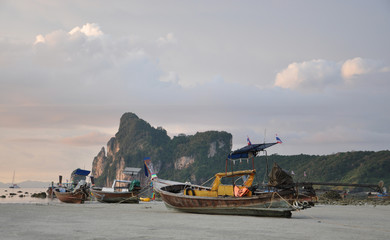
<point>250,150</point>
<point>235,174</point>
<point>219,176</point>
<point>81,172</point>
<point>131,171</point>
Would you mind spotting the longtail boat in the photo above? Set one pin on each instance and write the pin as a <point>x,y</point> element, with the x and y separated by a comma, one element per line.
<point>279,197</point>
<point>77,191</point>
<point>228,199</point>
<point>234,198</point>
<point>77,196</point>
<point>115,194</point>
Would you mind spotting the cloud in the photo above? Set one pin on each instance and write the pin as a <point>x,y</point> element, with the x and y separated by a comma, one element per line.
<point>39,39</point>
<point>317,75</point>
<point>82,66</point>
<point>359,66</point>
<point>168,39</point>
<point>89,29</point>
<point>83,77</point>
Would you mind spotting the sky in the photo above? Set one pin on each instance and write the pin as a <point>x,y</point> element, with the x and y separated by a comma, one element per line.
<point>317,73</point>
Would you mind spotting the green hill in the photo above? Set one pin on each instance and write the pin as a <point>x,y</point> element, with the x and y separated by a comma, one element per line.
<point>348,167</point>
<point>198,157</point>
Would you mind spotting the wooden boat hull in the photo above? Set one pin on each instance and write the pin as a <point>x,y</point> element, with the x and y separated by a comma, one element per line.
<point>115,197</point>
<point>268,204</point>
<point>71,197</point>
<point>50,192</point>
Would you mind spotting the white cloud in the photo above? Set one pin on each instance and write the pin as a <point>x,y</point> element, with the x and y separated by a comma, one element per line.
<point>89,29</point>
<point>315,74</point>
<point>60,37</point>
<point>52,39</point>
<point>359,66</point>
<point>82,66</point>
<point>320,74</point>
<point>39,39</point>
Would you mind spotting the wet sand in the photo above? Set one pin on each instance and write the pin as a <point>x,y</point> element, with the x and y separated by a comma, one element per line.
<point>55,220</point>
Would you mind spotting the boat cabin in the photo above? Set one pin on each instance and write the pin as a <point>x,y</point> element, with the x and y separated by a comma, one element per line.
<point>219,189</point>
<point>123,186</point>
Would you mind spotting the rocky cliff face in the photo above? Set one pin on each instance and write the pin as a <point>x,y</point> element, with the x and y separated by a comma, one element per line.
<point>184,162</point>
<point>183,158</point>
<point>99,163</point>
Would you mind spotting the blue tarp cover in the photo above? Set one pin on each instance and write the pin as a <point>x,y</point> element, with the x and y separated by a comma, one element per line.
<point>253,148</point>
<point>81,172</point>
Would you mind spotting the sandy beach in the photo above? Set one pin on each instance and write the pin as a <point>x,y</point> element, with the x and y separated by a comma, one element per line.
<point>55,220</point>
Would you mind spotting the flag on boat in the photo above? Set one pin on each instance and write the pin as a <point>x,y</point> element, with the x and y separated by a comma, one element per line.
<point>148,167</point>
<point>249,141</point>
<point>278,139</point>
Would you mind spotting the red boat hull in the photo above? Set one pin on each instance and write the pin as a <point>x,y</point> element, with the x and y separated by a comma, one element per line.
<point>71,197</point>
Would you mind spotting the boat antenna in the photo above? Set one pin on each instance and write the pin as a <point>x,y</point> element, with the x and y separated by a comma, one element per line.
<point>265,153</point>
<point>266,158</point>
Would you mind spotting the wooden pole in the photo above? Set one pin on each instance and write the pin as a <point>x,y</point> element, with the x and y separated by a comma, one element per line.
<point>52,190</point>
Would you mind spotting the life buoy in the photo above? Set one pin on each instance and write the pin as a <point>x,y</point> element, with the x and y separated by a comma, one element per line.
<point>192,191</point>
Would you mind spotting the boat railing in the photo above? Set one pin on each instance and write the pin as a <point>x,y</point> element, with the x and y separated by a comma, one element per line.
<point>120,181</point>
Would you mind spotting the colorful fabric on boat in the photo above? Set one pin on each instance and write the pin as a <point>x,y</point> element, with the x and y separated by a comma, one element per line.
<point>149,170</point>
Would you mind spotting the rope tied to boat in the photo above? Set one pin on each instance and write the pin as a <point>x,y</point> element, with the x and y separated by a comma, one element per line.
<point>126,199</point>
<point>276,193</point>
<point>139,193</point>
<point>207,181</point>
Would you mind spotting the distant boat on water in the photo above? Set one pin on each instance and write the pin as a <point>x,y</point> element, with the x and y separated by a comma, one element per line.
<point>13,185</point>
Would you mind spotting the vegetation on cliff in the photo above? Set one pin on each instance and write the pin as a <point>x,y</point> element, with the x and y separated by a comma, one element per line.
<point>198,157</point>
<point>348,167</point>
<point>183,158</point>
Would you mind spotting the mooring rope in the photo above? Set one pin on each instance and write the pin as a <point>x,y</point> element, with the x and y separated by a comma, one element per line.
<point>272,198</point>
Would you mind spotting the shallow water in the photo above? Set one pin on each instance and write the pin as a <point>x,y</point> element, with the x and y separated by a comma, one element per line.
<point>35,218</point>
<point>154,221</point>
<point>22,195</point>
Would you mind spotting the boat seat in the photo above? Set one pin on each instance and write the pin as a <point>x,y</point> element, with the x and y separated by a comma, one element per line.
<point>105,189</point>
<point>225,190</point>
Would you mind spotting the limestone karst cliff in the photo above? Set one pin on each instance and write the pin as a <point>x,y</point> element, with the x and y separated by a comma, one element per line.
<point>198,157</point>
<point>183,158</point>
